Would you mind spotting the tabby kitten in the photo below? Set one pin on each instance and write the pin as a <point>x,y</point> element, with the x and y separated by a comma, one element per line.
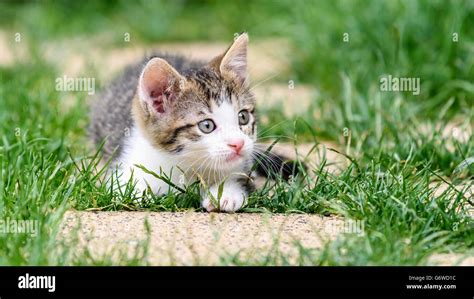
<point>187,119</point>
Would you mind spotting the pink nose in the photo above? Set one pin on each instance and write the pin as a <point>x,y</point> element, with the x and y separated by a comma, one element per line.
<point>236,145</point>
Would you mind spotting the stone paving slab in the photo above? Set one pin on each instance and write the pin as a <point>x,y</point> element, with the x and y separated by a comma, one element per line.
<point>193,238</point>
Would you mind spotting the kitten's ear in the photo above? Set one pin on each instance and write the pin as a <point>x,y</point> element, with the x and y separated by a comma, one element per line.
<point>159,85</point>
<point>234,60</point>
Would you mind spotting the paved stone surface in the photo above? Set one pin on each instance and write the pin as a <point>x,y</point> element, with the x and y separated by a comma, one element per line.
<point>191,238</point>
<point>451,259</point>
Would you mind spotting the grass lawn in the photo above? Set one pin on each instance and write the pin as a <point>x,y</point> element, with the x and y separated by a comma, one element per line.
<point>399,147</point>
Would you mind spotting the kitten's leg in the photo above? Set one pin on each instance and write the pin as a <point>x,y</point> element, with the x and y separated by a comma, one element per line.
<point>141,182</point>
<point>234,195</point>
<point>123,176</point>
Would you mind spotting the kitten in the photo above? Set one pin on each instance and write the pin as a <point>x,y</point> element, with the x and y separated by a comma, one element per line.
<point>187,119</point>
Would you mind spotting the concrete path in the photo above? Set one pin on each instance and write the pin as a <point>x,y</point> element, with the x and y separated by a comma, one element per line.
<point>191,238</point>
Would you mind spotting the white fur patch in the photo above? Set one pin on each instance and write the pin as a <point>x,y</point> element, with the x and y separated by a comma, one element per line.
<point>139,151</point>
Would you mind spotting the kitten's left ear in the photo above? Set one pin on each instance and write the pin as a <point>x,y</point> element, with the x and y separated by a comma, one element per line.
<point>159,85</point>
<point>234,60</point>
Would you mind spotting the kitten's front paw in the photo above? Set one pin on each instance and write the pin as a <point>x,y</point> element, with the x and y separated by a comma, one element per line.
<point>232,199</point>
<point>207,204</point>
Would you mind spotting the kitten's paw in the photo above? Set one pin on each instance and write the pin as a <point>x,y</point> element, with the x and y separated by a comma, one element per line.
<point>233,198</point>
<point>207,204</point>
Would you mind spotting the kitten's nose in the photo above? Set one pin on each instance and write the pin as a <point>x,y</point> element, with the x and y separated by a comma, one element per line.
<point>236,144</point>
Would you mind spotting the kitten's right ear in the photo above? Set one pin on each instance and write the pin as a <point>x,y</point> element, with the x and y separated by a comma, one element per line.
<point>159,85</point>
<point>234,60</point>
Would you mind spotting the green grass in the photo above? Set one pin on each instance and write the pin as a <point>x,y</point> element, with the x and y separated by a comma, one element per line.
<point>394,160</point>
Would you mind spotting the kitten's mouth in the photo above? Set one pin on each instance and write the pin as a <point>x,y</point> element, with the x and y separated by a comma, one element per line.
<point>233,157</point>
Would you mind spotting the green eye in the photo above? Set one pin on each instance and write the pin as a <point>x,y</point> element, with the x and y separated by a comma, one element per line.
<point>244,117</point>
<point>207,126</point>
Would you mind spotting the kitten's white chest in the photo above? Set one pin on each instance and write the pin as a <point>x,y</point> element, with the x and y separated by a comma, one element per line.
<point>138,151</point>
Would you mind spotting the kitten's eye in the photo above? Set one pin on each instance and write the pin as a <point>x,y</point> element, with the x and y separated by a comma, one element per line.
<point>207,126</point>
<point>244,117</point>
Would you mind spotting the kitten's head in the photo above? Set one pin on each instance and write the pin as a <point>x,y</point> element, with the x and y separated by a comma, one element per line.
<point>204,116</point>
